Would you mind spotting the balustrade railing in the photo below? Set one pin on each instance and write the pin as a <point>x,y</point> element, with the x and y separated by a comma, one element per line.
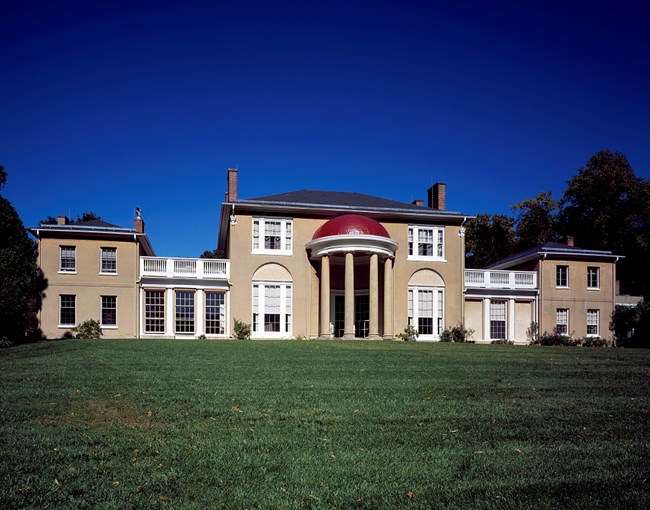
<point>185,268</point>
<point>486,279</point>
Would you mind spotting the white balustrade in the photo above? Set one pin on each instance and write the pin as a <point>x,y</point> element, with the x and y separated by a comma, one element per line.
<point>486,279</point>
<point>213,269</point>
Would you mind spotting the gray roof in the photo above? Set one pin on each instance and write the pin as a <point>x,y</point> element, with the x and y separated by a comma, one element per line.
<point>343,199</point>
<point>551,248</point>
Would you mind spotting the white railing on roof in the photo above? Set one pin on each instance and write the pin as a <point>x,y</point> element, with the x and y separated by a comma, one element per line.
<point>212,269</point>
<point>486,279</point>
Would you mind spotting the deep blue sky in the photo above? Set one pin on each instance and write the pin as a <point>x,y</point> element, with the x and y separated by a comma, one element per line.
<point>109,105</point>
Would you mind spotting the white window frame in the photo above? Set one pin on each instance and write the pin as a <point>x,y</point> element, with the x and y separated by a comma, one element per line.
<point>438,312</point>
<point>437,242</point>
<point>68,270</point>
<point>220,311</point>
<point>559,268</point>
<point>596,271</point>
<point>562,319</point>
<point>72,324</point>
<point>107,249</point>
<point>593,321</point>
<point>259,232</point>
<point>499,314</point>
<point>154,308</point>
<point>101,313</point>
<point>259,309</point>
<point>185,326</point>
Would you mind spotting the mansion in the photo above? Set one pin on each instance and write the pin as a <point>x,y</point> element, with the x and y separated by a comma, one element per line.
<point>320,264</point>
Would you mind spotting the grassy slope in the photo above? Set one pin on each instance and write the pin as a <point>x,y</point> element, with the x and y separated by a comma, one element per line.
<point>142,424</point>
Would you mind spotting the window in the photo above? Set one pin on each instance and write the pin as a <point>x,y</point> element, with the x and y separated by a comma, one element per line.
<point>562,276</point>
<point>184,311</point>
<point>498,319</point>
<point>425,312</point>
<point>67,259</point>
<point>154,311</point>
<point>593,322</point>
<point>272,304</point>
<point>109,260</point>
<point>426,242</point>
<point>272,235</point>
<point>109,310</point>
<point>562,321</point>
<point>215,313</point>
<point>67,310</point>
<point>593,277</point>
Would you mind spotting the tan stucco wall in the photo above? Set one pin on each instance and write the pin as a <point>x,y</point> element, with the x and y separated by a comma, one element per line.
<point>577,297</point>
<point>88,285</point>
<point>474,317</point>
<point>304,273</point>
<point>523,318</point>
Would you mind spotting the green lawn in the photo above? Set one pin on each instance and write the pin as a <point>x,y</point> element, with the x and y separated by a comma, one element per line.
<point>306,424</point>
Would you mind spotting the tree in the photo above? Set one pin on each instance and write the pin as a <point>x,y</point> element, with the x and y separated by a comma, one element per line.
<point>17,270</point>
<point>607,207</point>
<point>536,221</point>
<point>488,238</point>
<point>85,216</point>
<point>212,254</point>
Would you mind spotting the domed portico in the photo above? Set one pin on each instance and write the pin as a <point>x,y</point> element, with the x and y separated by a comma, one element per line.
<point>349,240</point>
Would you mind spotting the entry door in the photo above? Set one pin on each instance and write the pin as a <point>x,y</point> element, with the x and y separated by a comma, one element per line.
<point>339,316</point>
<point>361,315</point>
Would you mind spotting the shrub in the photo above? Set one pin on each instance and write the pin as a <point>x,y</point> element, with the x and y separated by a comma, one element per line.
<point>532,333</point>
<point>5,342</point>
<point>502,341</point>
<point>409,334</point>
<point>89,328</point>
<point>241,330</point>
<point>457,333</point>
<point>595,341</point>
<point>202,337</point>
<point>556,338</point>
<point>631,325</point>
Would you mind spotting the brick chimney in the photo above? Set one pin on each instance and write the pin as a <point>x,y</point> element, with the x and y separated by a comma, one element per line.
<point>437,196</point>
<point>418,202</point>
<point>62,220</point>
<point>569,240</point>
<point>231,194</point>
<point>138,222</point>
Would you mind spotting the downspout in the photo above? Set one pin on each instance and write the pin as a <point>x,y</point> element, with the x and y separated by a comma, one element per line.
<point>540,303</point>
<point>461,234</point>
<point>137,286</point>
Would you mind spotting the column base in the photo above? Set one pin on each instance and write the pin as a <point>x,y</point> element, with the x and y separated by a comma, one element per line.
<point>348,337</point>
<point>374,337</point>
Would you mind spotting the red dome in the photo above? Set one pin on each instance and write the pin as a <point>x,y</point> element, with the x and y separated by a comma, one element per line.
<point>351,224</point>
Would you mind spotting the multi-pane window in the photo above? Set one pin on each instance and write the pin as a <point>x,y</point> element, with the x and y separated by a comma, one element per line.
<point>67,259</point>
<point>109,260</point>
<point>272,235</point>
<point>425,311</point>
<point>184,316</point>
<point>154,311</point>
<point>593,277</point>
<point>497,319</point>
<point>562,321</point>
<point>593,322</point>
<point>562,276</point>
<point>109,310</point>
<point>272,309</point>
<point>426,242</point>
<point>215,313</point>
<point>67,310</point>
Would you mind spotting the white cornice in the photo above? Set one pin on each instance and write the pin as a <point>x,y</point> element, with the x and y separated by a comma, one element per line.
<point>362,243</point>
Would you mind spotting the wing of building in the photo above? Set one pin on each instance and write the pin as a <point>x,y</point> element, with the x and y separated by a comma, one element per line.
<point>320,264</point>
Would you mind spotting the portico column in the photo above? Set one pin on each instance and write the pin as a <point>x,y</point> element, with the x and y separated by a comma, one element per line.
<point>373,327</point>
<point>348,327</point>
<point>388,298</point>
<point>486,318</point>
<point>511,319</point>
<point>325,296</point>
